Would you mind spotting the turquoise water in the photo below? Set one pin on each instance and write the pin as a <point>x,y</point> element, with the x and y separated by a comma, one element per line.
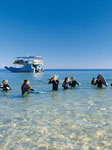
<point>75,119</point>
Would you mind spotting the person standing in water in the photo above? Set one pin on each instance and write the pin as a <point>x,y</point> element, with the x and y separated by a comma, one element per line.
<point>99,83</point>
<point>66,83</point>
<point>26,87</point>
<point>5,86</point>
<point>73,83</point>
<point>55,82</point>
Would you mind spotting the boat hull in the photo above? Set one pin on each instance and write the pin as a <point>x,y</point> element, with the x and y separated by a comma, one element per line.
<point>24,70</point>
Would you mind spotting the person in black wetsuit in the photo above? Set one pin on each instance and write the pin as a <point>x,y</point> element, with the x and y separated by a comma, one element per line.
<point>99,82</point>
<point>73,83</point>
<point>54,82</point>
<point>93,82</point>
<point>26,87</point>
<point>5,86</point>
<point>66,83</point>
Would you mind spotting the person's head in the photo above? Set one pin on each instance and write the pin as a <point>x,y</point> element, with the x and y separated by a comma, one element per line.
<point>72,78</point>
<point>66,79</point>
<point>26,82</point>
<point>55,78</point>
<point>5,82</point>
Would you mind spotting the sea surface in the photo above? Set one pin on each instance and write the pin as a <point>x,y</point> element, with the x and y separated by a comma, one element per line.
<point>73,119</point>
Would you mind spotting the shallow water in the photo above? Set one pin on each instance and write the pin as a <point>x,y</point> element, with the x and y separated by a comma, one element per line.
<point>75,119</point>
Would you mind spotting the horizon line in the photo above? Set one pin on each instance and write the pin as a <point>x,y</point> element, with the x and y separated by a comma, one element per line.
<point>73,68</point>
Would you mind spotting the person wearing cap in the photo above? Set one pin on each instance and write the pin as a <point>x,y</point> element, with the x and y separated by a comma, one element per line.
<point>5,86</point>
<point>55,82</point>
<point>26,87</point>
<point>73,82</point>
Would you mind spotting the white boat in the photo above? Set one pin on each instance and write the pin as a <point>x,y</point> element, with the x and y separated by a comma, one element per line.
<point>29,64</point>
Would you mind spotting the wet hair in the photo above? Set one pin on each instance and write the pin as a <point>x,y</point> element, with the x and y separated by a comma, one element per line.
<point>66,78</point>
<point>25,81</point>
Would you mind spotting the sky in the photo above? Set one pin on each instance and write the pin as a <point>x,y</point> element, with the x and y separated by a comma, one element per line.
<point>67,33</point>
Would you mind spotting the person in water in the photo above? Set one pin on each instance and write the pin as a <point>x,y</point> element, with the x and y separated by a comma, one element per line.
<point>99,82</point>
<point>93,82</point>
<point>66,83</point>
<point>73,82</point>
<point>55,82</point>
<point>5,86</point>
<point>26,87</point>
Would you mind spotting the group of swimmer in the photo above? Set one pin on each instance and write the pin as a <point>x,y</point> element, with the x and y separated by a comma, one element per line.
<point>25,88</point>
<point>55,82</point>
<point>72,83</point>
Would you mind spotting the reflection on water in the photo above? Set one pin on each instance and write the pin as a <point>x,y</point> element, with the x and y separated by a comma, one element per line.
<point>38,75</point>
<point>74,119</point>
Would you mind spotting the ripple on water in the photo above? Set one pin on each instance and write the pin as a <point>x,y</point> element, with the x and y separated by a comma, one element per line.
<point>77,119</point>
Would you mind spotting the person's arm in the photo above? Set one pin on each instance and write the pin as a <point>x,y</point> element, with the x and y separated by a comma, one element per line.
<point>33,89</point>
<point>77,83</point>
<point>8,87</point>
<point>50,81</point>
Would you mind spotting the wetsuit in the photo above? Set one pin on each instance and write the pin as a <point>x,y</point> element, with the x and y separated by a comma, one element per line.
<point>73,83</point>
<point>65,85</point>
<point>93,82</point>
<point>99,83</point>
<point>55,84</point>
<point>25,88</point>
<point>6,87</point>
